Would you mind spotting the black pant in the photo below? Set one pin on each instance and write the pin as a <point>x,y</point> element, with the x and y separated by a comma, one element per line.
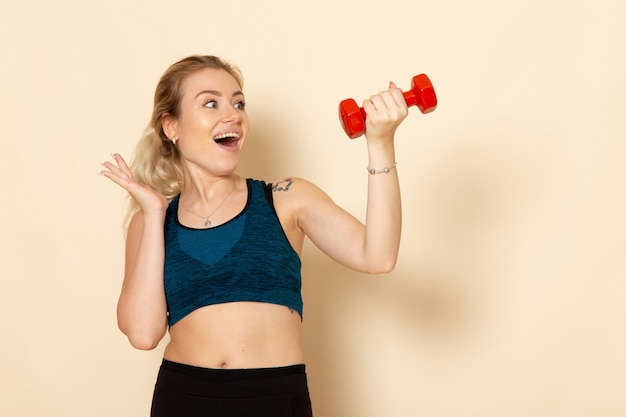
<point>189,391</point>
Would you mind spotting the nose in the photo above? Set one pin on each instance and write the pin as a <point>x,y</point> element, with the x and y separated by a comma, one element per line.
<point>232,115</point>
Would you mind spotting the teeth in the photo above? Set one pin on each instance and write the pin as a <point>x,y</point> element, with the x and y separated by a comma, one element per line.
<point>227,135</point>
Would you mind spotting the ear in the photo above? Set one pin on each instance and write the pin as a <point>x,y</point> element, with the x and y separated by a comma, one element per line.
<point>170,125</point>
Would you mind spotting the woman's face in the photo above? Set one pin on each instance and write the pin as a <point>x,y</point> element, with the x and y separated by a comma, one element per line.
<point>213,124</point>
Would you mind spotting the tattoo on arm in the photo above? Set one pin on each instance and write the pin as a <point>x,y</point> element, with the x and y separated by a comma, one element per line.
<point>282,185</point>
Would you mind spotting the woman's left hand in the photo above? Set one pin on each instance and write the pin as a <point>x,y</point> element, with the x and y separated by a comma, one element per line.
<point>385,111</point>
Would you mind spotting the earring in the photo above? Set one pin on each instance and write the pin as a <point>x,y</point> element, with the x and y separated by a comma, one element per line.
<point>174,141</point>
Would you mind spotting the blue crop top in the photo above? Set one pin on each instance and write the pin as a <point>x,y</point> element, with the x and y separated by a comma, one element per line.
<point>245,259</point>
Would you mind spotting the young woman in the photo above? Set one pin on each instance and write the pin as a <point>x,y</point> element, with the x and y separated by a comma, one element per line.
<point>215,258</point>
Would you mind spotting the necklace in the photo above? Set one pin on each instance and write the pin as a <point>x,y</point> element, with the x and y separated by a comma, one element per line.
<point>207,221</point>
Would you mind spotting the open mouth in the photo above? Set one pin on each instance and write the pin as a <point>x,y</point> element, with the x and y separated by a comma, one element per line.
<point>227,139</point>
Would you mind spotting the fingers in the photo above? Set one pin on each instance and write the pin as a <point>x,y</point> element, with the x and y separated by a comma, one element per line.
<point>119,168</point>
<point>387,106</point>
<point>117,171</point>
<point>398,95</point>
<point>120,162</point>
<point>389,99</point>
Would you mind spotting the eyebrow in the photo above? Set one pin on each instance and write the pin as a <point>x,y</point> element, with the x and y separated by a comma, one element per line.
<point>217,93</point>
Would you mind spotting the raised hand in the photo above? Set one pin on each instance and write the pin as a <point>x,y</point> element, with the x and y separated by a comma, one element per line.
<point>385,111</point>
<point>422,94</point>
<point>150,201</point>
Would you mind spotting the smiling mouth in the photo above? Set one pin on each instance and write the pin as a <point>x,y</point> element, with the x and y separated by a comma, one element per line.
<point>228,139</point>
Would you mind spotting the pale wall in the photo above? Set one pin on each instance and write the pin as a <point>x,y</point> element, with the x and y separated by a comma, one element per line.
<point>508,295</point>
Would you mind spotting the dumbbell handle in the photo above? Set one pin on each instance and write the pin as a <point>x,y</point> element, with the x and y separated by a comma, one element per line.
<point>412,99</point>
<point>421,94</point>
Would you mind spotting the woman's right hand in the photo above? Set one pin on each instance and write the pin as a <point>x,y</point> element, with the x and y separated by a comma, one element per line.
<point>150,201</point>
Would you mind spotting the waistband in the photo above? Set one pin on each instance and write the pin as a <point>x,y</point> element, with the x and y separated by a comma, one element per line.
<point>225,375</point>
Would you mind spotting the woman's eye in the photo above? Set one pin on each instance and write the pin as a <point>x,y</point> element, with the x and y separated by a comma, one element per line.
<point>211,104</point>
<point>240,105</point>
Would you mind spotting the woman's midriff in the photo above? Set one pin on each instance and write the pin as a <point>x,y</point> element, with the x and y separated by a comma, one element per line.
<point>236,336</point>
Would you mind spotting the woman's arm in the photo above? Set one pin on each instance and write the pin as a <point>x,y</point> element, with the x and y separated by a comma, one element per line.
<point>371,247</point>
<point>142,309</point>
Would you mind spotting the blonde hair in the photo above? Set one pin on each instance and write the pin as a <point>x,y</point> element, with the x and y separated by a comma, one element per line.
<point>156,161</point>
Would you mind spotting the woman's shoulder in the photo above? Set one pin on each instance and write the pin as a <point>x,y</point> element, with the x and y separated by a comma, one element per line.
<point>292,185</point>
<point>283,184</point>
<point>296,192</point>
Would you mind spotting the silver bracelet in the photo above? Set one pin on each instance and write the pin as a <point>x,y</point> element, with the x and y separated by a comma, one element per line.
<point>385,170</point>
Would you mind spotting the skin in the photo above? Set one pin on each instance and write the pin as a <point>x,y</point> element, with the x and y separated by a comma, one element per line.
<point>247,334</point>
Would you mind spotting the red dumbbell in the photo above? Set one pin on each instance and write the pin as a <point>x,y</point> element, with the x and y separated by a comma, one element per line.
<point>421,94</point>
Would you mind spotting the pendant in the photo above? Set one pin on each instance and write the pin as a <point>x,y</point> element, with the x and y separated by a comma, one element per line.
<point>207,223</point>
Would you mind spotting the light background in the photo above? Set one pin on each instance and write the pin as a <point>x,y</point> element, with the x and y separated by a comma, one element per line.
<point>508,295</point>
